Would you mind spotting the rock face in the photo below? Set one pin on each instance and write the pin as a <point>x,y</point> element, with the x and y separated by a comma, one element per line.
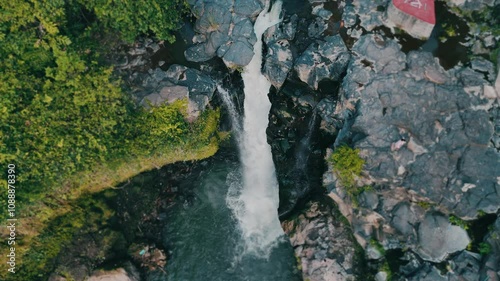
<point>323,60</point>
<point>323,244</point>
<point>443,118</point>
<point>279,58</point>
<point>427,136</point>
<point>179,82</point>
<point>224,29</point>
<point>438,238</point>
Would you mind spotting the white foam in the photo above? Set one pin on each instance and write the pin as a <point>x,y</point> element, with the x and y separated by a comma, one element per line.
<point>255,203</point>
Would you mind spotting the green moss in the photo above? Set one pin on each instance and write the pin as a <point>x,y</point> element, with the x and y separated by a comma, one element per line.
<point>484,248</point>
<point>425,205</point>
<point>347,165</point>
<point>375,244</point>
<point>386,268</point>
<point>459,222</point>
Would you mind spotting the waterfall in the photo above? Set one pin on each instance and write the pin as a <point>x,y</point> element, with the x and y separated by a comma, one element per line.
<point>254,203</point>
<point>233,113</point>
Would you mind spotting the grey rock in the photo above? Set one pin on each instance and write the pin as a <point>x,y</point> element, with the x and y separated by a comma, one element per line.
<point>323,60</point>
<point>385,54</point>
<point>244,28</point>
<point>465,267</point>
<point>225,30</point>
<point>428,273</point>
<point>321,12</point>
<point>213,18</point>
<point>278,62</point>
<point>238,54</point>
<point>316,28</point>
<point>285,30</point>
<point>248,8</point>
<point>349,16</point>
<point>369,200</point>
<point>484,66</point>
<point>381,276</point>
<point>438,238</point>
<point>323,244</point>
<point>198,53</point>
<point>370,17</point>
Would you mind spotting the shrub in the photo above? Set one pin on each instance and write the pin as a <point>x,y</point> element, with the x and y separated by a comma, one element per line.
<point>484,248</point>
<point>347,164</point>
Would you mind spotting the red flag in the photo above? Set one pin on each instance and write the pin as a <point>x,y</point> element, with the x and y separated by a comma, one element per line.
<point>421,9</point>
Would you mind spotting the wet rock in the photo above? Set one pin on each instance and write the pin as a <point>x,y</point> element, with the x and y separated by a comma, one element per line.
<point>178,83</point>
<point>371,13</point>
<point>285,30</point>
<point>323,244</point>
<point>438,238</point>
<point>239,54</point>
<point>247,8</point>
<point>278,62</point>
<point>225,30</point>
<point>323,60</point>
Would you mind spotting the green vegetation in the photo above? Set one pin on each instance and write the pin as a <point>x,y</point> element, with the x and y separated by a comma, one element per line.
<point>425,205</point>
<point>347,165</point>
<point>484,248</point>
<point>387,269</point>
<point>375,244</point>
<point>459,222</point>
<point>66,122</point>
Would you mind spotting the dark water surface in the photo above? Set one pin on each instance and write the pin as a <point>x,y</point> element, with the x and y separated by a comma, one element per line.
<point>204,237</point>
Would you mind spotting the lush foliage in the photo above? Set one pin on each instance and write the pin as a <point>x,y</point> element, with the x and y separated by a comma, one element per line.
<point>62,111</point>
<point>64,115</point>
<point>130,17</point>
<point>347,164</point>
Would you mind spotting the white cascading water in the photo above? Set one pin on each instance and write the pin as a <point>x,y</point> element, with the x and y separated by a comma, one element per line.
<point>255,204</point>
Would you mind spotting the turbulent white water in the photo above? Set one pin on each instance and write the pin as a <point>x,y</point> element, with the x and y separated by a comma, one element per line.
<point>255,203</point>
<point>233,113</point>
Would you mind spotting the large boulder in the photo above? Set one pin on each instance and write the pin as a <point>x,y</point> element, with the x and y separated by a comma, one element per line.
<point>427,136</point>
<point>323,60</point>
<point>178,83</point>
<point>323,244</point>
<point>438,238</point>
<point>224,29</point>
